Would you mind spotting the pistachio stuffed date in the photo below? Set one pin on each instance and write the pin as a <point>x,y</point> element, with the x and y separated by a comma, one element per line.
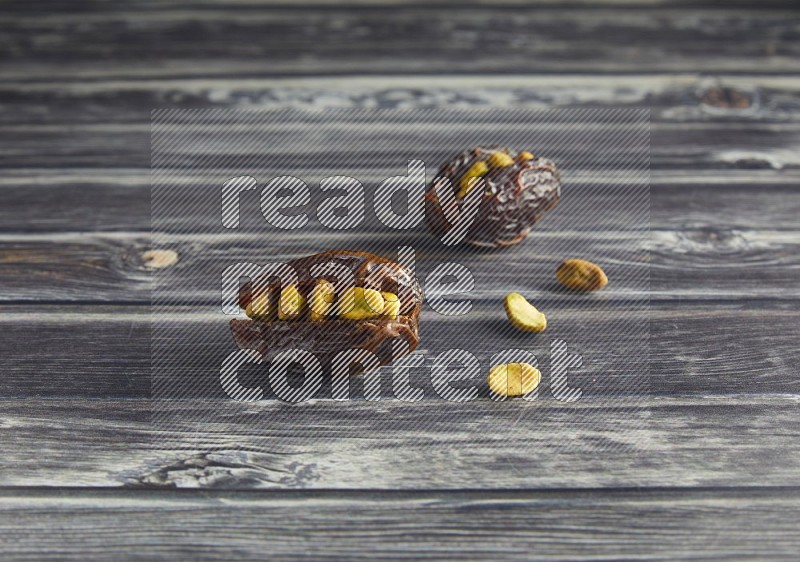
<point>339,300</point>
<point>518,189</point>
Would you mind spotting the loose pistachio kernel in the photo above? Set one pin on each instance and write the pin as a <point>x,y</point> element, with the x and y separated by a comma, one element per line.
<point>470,178</point>
<point>291,303</point>
<point>259,307</point>
<point>391,307</point>
<point>357,303</point>
<point>514,379</point>
<point>523,315</point>
<point>581,275</point>
<point>321,300</point>
<point>500,159</point>
<point>525,156</point>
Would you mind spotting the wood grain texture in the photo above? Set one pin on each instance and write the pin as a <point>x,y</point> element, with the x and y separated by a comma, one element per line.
<point>581,525</point>
<point>706,349</point>
<point>694,264</point>
<point>397,445</point>
<point>670,98</point>
<point>700,147</point>
<point>716,425</point>
<point>246,40</point>
<point>119,201</point>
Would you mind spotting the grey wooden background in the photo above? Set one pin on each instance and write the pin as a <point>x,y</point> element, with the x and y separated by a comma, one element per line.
<point>713,473</point>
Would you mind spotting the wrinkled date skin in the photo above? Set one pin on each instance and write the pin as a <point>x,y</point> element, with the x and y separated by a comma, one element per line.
<point>518,190</point>
<point>325,338</point>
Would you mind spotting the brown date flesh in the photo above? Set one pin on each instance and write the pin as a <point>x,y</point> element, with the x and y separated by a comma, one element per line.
<point>515,197</point>
<point>325,338</point>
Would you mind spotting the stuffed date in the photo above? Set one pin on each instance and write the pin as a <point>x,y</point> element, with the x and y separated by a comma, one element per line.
<point>339,300</point>
<point>518,189</point>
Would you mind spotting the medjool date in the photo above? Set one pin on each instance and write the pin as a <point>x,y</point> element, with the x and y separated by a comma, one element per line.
<point>518,189</point>
<point>383,307</point>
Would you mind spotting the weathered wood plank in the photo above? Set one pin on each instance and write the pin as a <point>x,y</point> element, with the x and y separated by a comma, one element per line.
<point>753,524</point>
<point>704,349</point>
<point>704,146</point>
<point>683,265</point>
<point>248,40</point>
<point>670,98</point>
<point>399,445</point>
<point>728,256</point>
<point>119,201</point>
<point>55,7</point>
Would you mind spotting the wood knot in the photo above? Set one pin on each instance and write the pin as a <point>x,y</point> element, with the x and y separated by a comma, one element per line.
<point>716,242</point>
<point>751,160</point>
<point>159,259</point>
<point>227,469</point>
<point>724,97</point>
